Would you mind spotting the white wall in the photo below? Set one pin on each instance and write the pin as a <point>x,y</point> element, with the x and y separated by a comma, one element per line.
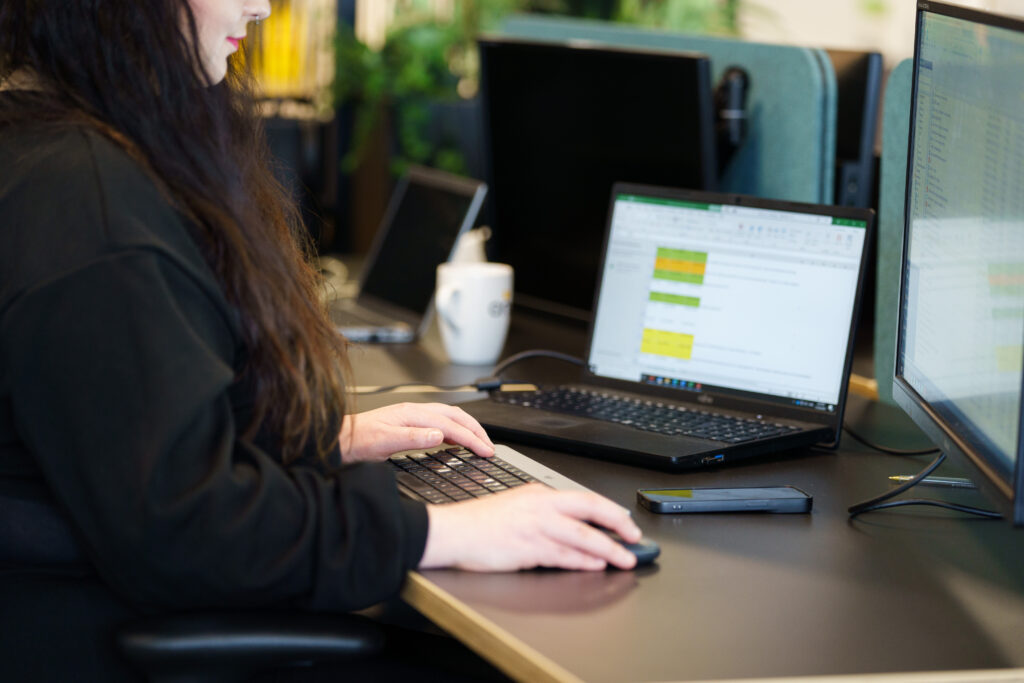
<point>846,23</point>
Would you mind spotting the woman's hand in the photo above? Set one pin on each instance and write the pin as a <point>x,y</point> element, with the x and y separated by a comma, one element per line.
<point>529,526</point>
<point>376,434</point>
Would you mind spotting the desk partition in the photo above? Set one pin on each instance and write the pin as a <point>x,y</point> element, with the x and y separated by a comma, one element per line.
<point>892,196</point>
<point>789,151</point>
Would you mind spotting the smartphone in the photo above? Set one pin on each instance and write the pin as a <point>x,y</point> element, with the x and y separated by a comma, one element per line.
<point>743,499</point>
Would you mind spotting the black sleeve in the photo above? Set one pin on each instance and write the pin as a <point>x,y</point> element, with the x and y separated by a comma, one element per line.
<point>119,382</point>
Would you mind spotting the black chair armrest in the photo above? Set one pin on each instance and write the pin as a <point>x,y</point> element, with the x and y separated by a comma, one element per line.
<point>232,646</point>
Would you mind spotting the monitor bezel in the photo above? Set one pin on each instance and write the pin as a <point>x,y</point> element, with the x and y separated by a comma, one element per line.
<point>1005,492</point>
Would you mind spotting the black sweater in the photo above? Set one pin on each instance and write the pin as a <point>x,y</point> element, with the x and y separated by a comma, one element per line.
<point>119,405</point>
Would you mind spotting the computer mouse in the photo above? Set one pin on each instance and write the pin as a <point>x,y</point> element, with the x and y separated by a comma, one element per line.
<point>645,550</point>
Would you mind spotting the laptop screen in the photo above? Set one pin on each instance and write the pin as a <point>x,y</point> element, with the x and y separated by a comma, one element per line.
<point>699,296</point>
<point>425,218</point>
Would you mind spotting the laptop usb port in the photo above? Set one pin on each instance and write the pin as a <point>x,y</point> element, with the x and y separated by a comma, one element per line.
<point>713,459</point>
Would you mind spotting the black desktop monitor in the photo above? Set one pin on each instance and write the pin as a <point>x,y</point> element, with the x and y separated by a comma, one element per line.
<point>960,340</point>
<point>563,122</point>
<point>859,89</point>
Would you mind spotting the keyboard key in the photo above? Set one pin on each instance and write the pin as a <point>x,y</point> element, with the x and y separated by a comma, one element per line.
<point>455,474</point>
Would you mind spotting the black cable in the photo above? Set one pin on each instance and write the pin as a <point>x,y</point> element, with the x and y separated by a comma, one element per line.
<point>535,353</point>
<point>878,502</point>
<point>886,449</point>
<point>990,514</point>
<point>393,387</point>
<point>484,383</point>
<point>864,506</point>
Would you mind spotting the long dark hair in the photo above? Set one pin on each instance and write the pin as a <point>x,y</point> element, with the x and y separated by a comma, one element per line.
<point>133,70</point>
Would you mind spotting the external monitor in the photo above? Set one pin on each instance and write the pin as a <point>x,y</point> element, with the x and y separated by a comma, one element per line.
<point>859,85</point>
<point>563,122</point>
<point>960,340</point>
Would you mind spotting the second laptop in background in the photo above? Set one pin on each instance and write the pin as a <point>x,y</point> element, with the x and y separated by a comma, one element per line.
<point>427,213</point>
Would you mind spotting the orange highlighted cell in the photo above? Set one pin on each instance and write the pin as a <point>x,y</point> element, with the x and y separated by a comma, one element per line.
<point>677,266</point>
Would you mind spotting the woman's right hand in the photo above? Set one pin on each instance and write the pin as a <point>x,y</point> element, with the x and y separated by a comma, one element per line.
<point>530,526</point>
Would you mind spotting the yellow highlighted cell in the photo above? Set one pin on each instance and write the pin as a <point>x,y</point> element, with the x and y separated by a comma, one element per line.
<point>1009,358</point>
<point>662,343</point>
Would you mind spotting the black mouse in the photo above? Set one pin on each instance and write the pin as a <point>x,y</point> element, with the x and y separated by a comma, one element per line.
<point>645,550</point>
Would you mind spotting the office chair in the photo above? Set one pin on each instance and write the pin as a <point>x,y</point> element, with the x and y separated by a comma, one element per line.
<point>43,572</point>
<point>229,647</point>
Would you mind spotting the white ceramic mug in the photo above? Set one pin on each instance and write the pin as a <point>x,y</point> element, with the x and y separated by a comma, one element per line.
<point>473,302</point>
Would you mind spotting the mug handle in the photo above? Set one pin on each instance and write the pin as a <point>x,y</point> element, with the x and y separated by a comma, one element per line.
<point>447,300</point>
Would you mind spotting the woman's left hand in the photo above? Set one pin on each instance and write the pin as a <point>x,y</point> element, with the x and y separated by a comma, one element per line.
<point>376,434</point>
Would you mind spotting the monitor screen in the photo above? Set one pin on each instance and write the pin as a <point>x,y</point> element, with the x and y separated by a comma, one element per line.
<point>702,295</point>
<point>961,334</point>
<point>562,124</point>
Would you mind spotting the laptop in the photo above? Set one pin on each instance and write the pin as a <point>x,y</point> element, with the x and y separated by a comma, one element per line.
<point>723,329</point>
<point>427,213</point>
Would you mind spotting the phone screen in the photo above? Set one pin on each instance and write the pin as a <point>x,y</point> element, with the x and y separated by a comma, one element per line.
<point>700,494</point>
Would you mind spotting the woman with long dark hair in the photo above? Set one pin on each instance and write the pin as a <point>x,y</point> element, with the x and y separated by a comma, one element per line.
<point>172,396</point>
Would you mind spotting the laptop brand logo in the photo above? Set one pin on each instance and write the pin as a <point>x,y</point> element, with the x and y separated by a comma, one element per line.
<point>704,398</point>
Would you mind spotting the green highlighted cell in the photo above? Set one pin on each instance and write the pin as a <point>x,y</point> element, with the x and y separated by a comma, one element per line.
<point>1014,291</point>
<point>675,276</point>
<point>997,269</point>
<point>683,255</point>
<point>1007,313</point>
<point>675,299</point>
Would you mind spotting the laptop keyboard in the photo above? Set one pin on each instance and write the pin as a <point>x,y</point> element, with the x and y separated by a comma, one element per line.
<point>651,416</point>
<point>454,474</point>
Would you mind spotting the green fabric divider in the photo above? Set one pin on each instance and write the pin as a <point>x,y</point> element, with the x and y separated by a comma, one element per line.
<point>789,150</point>
<point>892,191</point>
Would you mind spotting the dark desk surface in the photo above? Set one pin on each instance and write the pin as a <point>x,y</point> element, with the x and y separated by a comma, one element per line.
<point>740,595</point>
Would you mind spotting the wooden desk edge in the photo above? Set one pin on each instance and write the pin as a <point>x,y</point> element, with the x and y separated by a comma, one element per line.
<point>514,657</point>
<point>965,676</point>
<point>521,662</point>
